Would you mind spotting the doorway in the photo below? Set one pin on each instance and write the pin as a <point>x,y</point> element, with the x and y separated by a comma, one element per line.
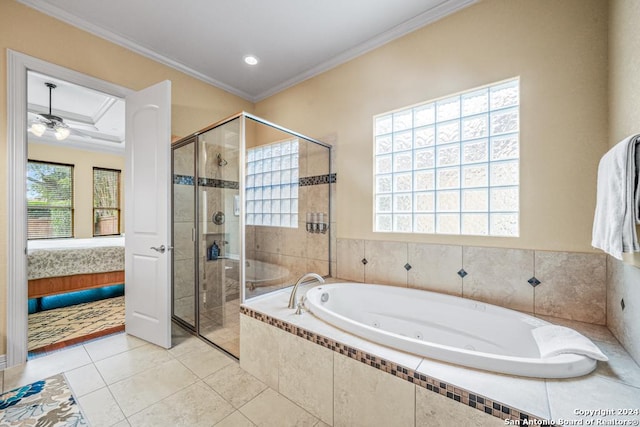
<point>75,226</point>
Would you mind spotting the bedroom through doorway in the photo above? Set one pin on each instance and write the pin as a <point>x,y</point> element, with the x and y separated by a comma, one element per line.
<point>75,213</point>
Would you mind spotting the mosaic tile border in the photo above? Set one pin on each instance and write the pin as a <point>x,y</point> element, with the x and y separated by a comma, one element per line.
<point>466,397</point>
<point>220,183</point>
<point>317,180</point>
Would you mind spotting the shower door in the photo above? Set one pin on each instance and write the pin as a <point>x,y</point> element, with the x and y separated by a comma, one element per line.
<point>184,227</point>
<point>219,235</point>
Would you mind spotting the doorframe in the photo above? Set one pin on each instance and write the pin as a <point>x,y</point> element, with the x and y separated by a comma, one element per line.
<point>17,66</point>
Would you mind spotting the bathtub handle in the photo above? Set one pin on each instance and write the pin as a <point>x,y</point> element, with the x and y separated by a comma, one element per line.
<point>301,306</point>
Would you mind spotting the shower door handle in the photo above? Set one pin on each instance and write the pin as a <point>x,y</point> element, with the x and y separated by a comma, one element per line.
<point>161,249</point>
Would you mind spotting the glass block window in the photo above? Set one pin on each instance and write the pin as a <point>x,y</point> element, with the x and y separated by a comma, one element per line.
<point>272,184</point>
<point>106,202</point>
<point>49,200</point>
<point>450,166</point>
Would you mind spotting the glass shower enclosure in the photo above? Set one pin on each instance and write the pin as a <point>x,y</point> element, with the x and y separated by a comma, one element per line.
<point>251,214</point>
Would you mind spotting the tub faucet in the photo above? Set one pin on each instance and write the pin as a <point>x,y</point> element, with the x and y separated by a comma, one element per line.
<point>306,277</point>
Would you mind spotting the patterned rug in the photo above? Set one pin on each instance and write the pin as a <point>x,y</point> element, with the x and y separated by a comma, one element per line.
<point>47,403</point>
<point>54,329</point>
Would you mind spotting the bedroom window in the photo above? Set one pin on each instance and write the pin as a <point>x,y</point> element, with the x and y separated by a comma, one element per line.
<point>451,165</point>
<point>49,200</point>
<point>272,184</point>
<point>106,202</point>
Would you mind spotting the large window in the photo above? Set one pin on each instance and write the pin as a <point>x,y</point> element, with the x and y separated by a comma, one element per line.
<point>106,202</point>
<point>49,200</point>
<point>272,184</point>
<point>450,166</point>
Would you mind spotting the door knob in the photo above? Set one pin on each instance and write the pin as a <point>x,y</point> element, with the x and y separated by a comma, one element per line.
<point>161,249</point>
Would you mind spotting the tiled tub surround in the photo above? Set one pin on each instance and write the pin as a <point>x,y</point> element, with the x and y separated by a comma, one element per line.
<point>568,285</point>
<point>346,380</point>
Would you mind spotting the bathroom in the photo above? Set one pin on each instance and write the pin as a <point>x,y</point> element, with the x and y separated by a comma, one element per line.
<point>577,64</point>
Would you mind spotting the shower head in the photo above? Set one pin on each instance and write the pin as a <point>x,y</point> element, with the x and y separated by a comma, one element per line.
<point>221,161</point>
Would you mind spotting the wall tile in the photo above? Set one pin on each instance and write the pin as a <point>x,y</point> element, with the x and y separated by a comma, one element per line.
<point>435,268</point>
<point>350,255</point>
<point>499,276</point>
<point>259,348</point>
<point>365,396</point>
<point>435,410</point>
<point>386,261</point>
<point>573,286</point>
<point>623,282</point>
<point>306,376</point>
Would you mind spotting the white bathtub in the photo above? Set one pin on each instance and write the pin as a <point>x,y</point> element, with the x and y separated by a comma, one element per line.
<point>443,327</point>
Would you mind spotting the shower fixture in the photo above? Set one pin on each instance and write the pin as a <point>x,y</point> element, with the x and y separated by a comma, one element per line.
<point>221,161</point>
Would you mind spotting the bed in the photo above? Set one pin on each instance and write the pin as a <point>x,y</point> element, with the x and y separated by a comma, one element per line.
<point>58,266</point>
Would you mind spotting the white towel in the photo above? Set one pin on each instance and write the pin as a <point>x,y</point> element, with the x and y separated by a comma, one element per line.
<point>618,200</point>
<point>553,340</point>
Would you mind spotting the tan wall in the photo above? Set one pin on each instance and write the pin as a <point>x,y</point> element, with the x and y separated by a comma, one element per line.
<point>83,162</point>
<point>194,104</point>
<point>624,120</point>
<point>559,50</point>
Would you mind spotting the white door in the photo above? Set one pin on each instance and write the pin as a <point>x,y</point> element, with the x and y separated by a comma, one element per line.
<point>147,214</point>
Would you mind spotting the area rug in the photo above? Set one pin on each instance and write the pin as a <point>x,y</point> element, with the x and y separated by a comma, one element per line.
<point>61,327</point>
<point>46,403</point>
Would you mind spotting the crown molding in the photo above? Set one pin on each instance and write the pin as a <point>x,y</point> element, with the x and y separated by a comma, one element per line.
<point>444,8</point>
<point>56,12</point>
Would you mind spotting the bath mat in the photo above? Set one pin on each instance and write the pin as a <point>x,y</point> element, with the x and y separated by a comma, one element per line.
<point>42,403</point>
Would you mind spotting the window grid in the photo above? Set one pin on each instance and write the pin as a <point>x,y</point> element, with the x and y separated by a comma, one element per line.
<point>450,166</point>
<point>49,200</point>
<point>106,201</point>
<point>272,184</point>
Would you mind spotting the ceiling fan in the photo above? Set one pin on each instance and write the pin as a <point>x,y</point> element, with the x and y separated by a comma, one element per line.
<point>43,122</point>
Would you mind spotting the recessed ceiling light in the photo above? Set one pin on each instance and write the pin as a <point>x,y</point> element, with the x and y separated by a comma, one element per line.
<point>250,59</point>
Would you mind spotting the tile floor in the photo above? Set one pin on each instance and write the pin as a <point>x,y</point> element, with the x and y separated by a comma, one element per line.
<point>123,381</point>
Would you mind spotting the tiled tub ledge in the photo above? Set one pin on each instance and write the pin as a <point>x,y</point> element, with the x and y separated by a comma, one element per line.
<point>336,376</point>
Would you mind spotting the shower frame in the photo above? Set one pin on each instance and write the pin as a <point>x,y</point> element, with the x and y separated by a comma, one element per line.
<point>242,149</point>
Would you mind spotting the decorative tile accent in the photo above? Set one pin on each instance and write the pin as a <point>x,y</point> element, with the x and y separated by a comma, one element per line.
<point>183,179</point>
<point>457,394</point>
<point>462,273</point>
<point>317,180</point>
<point>218,183</point>
<point>364,261</point>
<point>622,303</point>
<point>534,282</point>
<point>407,266</point>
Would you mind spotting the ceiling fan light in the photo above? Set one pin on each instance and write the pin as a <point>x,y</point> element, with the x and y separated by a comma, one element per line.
<point>38,129</point>
<point>62,133</point>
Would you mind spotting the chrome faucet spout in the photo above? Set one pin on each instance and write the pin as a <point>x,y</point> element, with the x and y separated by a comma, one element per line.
<point>304,278</point>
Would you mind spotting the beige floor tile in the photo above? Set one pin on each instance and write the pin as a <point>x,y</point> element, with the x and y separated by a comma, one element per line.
<point>123,423</point>
<point>100,408</point>
<point>271,409</point>
<point>44,367</point>
<point>124,365</point>
<point>321,424</point>
<point>205,362</point>
<point>235,420</point>
<point>235,385</point>
<point>84,380</point>
<point>142,390</point>
<point>194,406</point>
<point>187,344</point>
<point>109,346</point>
